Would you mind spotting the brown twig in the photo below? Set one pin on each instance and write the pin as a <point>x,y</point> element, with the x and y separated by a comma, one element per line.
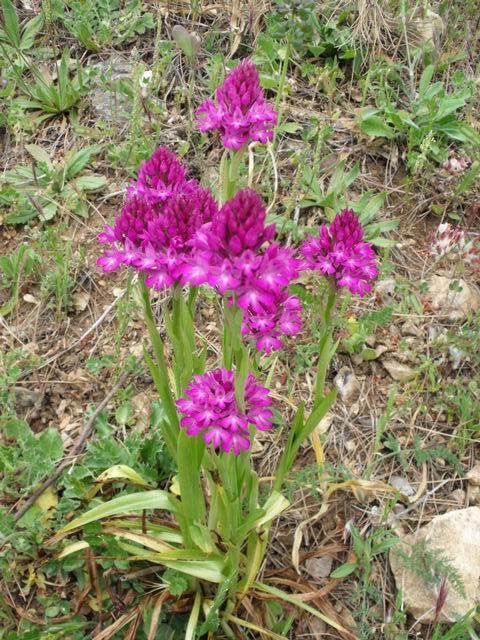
<point>77,448</point>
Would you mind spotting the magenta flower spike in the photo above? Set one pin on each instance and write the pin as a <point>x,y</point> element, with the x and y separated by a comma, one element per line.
<point>241,112</point>
<point>210,410</point>
<point>168,236</point>
<point>161,177</point>
<point>161,215</point>
<point>339,252</point>
<point>229,254</point>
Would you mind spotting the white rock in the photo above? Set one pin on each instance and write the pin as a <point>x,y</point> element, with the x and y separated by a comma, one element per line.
<point>386,288</point>
<point>456,303</point>
<point>399,371</point>
<point>402,485</point>
<point>456,534</point>
<point>348,386</point>
<point>411,329</point>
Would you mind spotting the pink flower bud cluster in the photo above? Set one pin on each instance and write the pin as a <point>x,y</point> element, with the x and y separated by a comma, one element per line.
<point>448,241</point>
<point>241,112</point>
<point>235,255</point>
<point>456,166</point>
<point>211,410</point>
<point>339,252</point>
<point>161,214</point>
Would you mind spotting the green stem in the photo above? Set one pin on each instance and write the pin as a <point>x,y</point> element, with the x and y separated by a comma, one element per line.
<point>159,371</point>
<point>229,172</point>
<point>281,85</point>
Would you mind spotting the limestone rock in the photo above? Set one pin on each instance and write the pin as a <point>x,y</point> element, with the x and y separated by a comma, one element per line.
<point>348,386</point>
<point>111,104</point>
<point>399,371</point>
<point>455,303</point>
<point>456,534</point>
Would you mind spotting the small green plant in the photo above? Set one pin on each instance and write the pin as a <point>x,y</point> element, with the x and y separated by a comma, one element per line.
<point>44,187</point>
<point>47,94</point>
<point>15,35</point>
<point>106,23</point>
<point>429,125</point>
<point>430,565</point>
<point>12,267</point>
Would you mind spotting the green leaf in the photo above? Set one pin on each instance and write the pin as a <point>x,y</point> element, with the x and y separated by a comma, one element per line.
<point>287,597</point>
<point>38,153</point>
<point>460,131</point>
<point>126,504</point>
<point>190,561</point>
<point>375,126</point>
<point>448,106</point>
<point>122,471</point>
<point>344,570</point>
<point>425,79</point>
<point>30,30</point>
<point>189,457</point>
<point>80,159</point>
<point>49,211</point>
<point>90,182</point>
<point>290,127</point>
<point>273,507</point>
<point>316,416</point>
<point>51,444</point>
<point>86,37</point>
<point>372,207</point>
<point>11,23</point>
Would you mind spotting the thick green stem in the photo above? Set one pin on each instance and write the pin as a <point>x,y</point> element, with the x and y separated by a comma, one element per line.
<point>159,371</point>
<point>325,346</point>
<point>229,172</point>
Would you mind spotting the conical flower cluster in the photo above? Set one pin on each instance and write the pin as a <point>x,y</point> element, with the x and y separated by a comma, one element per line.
<point>340,252</point>
<point>241,113</point>
<point>211,410</point>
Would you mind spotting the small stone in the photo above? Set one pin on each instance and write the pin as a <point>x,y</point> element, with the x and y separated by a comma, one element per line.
<point>402,485</point>
<point>351,445</point>
<point>25,399</point>
<point>473,495</point>
<point>456,356</point>
<point>410,329</point>
<point>386,288</point>
<point>459,497</point>
<point>325,423</point>
<point>318,628</point>
<point>80,300</point>
<point>455,534</point>
<point>398,371</point>
<point>348,386</point>
<point>453,298</point>
<point>473,476</point>
<point>319,567</point>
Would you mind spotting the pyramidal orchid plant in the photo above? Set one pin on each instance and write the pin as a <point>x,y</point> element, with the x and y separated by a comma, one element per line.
<point>177,235</point>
